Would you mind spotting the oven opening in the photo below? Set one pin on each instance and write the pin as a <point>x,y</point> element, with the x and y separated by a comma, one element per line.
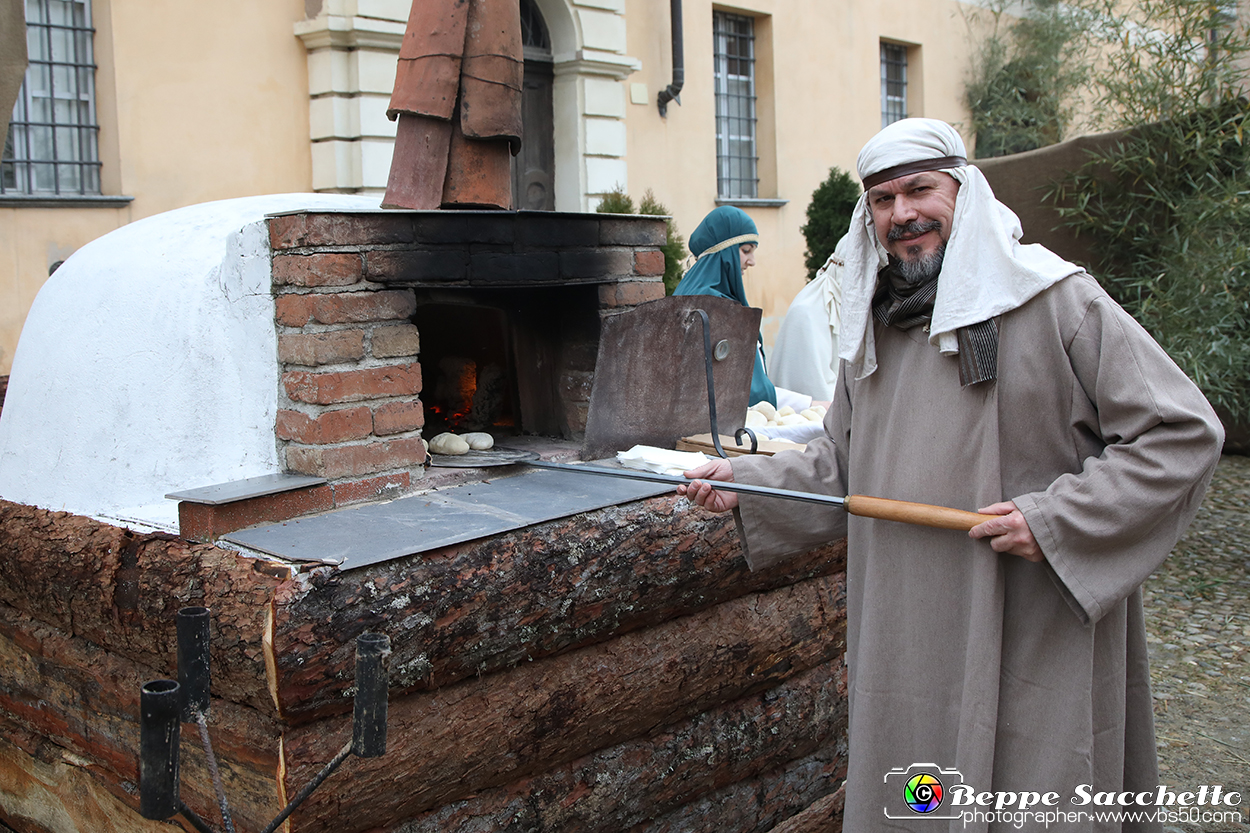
<point>467,369</point>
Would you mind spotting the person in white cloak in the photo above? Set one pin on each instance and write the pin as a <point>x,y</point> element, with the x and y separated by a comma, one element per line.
<point>980,372</point>
<point>805,353</point>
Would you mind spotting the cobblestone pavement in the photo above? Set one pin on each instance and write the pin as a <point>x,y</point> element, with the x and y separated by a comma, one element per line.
<point>1198,631</point>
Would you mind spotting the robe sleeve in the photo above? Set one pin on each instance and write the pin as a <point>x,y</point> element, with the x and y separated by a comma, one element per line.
<point>1104,529</point>
<point>773,528</point>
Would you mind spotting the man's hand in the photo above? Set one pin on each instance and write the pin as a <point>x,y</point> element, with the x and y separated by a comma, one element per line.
<point>703,494</point>
<point>1009,534</point>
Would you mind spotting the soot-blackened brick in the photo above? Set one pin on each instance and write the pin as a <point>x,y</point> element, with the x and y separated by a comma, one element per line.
<point>333,229</point>
<point>490,268</point>
<point>537,230</point>
<point>597,263</point>
<point>461,228</point>
<point>422,266</point>
<point>639,231</point>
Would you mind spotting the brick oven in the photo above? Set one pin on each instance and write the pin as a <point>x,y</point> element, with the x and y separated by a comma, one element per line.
<point>377,307</point>
<point>619,668</point>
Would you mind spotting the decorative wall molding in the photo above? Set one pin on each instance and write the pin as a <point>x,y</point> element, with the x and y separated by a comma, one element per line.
<point>352,48</point>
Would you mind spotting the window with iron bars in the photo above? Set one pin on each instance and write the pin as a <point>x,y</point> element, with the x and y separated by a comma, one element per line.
<point>734,79</point>
<point>893,83</point>
<point>52,147</point>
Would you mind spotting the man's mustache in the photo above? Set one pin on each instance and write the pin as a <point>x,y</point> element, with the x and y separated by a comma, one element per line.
<point>913,229</point>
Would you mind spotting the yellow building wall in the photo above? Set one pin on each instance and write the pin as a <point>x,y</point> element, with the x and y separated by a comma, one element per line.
<point>196,102</point>
<point>199,102</point>
<point>819,90</point>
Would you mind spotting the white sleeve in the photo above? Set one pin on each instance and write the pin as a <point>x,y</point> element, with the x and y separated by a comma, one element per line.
<point>797,401</point>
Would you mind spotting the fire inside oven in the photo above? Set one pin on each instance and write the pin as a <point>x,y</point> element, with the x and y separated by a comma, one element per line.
<point>508,361</point>
<point>467,369</point>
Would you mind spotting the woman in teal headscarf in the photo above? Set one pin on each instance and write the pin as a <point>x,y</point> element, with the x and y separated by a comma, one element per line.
<point>724,244</point>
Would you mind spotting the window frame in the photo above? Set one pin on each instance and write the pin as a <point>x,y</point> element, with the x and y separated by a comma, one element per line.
<point>893,101</point>
<point>63,164</point>
<point>737,173</point>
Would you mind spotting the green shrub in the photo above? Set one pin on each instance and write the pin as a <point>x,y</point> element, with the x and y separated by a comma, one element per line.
<point>1169,209</point>
<point>674,248</point>
<point>616,201</point>
<point>828,217</point>
<point>1020,90</point>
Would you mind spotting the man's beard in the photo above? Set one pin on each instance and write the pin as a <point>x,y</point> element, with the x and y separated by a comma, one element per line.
<point>926,267</point>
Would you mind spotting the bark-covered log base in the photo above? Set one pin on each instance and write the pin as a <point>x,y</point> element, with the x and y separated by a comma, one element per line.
<point>485,733</point>
<point>824,816</point>
<point>65,699</point>
<point>745,764</point>
<point>50,791</point>
<point>621,669</point>
<point>487,605</point>
<point>120,590</point>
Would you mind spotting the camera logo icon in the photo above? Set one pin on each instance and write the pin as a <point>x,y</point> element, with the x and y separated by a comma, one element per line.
<point>923,793</point>
<point>920,790</point>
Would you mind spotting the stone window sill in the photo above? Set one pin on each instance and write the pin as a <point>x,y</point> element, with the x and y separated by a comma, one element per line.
<point>63,201</point>
<point>751,202</point>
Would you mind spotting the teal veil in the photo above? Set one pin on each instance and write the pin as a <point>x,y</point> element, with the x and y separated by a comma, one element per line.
<point>718,271</point>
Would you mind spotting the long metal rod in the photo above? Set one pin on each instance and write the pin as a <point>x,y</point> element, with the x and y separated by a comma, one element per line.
<point>196,822</point>
<point>214,772</point>
<point>741,488</point>
<point>711,384</point>
<point>325,773</point>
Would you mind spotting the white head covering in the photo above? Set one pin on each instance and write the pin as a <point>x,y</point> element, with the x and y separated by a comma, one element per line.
<point>986,270</point>
<point>805,352</point>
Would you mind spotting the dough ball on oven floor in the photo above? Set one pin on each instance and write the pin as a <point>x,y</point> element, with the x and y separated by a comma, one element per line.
<point>448,443</point>
<point>479,440</point>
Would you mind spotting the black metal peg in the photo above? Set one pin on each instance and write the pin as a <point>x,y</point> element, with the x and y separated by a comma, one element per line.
<point>369,717</point>
<point>158,749</point>
<point>193,663</point>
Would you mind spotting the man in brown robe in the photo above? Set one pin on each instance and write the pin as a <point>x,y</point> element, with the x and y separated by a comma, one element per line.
<point>458,100</point>
<point>978,372</point>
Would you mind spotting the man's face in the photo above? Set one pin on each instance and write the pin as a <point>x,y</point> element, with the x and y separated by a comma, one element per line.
<point>913,215</point>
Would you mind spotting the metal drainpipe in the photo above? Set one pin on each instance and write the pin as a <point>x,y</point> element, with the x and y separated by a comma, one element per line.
<point>673,91</point>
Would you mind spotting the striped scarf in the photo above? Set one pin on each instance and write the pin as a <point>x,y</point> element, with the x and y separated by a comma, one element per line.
<point>906,305</point>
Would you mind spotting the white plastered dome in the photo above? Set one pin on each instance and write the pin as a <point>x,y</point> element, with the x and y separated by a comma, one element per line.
<point>148,364</point>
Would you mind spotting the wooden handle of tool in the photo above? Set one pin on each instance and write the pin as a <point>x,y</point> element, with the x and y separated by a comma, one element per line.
<point>921,514</point>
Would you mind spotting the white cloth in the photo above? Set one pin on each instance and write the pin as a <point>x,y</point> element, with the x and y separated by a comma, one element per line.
<point>986,271</point>
<point>660,460</point>
<point>801,433</point>
<point>805,355</point>
<point>797,401</point>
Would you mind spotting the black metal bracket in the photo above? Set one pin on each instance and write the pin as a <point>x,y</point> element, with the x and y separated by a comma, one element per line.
<point>164,704</point>
<point>755,443</point>
<point>711,385</point>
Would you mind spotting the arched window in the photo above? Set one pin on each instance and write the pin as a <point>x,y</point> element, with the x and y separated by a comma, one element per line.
<point>533,169</point>
<point>534,35</point>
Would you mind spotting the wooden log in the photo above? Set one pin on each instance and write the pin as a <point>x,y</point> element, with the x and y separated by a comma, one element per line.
<point>486,605</point>
<point>488,732</point>
<point>759,803</point>
<point>824,816</point>
<point>121,590</point>
<point>50,791</point>
<point>681,764</point>
<point>68,695</point>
